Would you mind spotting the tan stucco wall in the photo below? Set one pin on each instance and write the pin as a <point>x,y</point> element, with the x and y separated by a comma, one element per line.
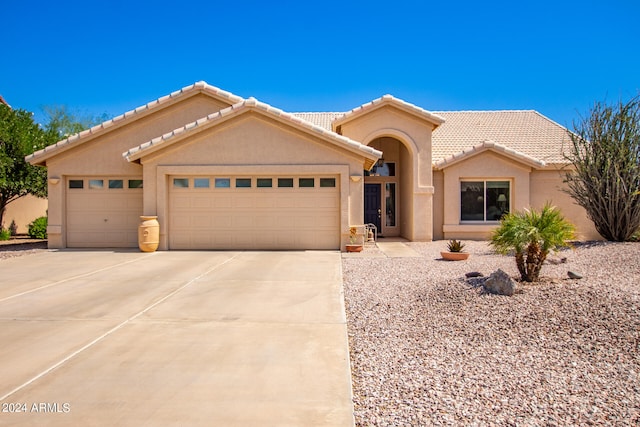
<point>486,165</point>
<point>416,188</point>
<point>529,188</point>
<point>546,186</point>
<point>102,155</point>
<point>23,211</point>
<point>438,205</point>
<point>253,145</point>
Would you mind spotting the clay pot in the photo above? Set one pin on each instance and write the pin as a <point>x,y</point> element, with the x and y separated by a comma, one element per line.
<point>454,256</point>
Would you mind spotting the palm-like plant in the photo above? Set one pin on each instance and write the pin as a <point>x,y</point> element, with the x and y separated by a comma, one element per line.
<point>532,235</point>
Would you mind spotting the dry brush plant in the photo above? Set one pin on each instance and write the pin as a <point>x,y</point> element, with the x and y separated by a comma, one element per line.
<point>605,178</point>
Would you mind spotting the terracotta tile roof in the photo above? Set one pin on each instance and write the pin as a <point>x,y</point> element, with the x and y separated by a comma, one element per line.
<point>526,132</point>
<point>489,146</point>
<point>40,156</point>
<point>321,119</point>
<point>2,101</point>
<point>370,154</point>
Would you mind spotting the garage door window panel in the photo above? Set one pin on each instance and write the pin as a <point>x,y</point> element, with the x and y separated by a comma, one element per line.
<point>116,184</point>
<point>327,182</point>
<point>223,183</point>
<point>201,183</point>
<point>180,182</point>
<point>264,183</point>
<point>306,182</point>
<point>76,183</point>
<point>96,184</point>
<point>135,183</point>
<point>243,182</point>
<point>285,182</point>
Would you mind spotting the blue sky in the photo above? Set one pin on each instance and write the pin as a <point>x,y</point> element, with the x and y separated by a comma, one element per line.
<point>96,57</point>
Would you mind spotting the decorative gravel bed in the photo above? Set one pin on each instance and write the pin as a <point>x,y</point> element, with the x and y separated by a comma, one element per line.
<point>20,246</point>
<point>429,347</point>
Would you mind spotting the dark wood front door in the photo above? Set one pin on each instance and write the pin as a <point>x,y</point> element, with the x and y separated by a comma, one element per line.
<point>372,205</point>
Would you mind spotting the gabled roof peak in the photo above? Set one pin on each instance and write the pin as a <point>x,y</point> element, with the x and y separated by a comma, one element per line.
<point>390,100</point>
<point>370,154</point>
<point>489,145</point>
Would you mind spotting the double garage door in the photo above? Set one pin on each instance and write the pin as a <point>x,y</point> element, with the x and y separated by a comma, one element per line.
<point>253,212</point>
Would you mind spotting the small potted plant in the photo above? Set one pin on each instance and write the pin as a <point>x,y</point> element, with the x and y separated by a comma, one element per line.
<point>455,251</point>
<point>353,237</point>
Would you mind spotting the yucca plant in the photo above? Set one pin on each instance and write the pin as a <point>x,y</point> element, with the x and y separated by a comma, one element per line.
<point>532,234</point>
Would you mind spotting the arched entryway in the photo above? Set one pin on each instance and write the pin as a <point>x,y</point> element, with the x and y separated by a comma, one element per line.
<point>388,201</point>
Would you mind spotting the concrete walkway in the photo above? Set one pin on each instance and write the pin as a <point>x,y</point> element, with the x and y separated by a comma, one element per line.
<point>397,250</point>
<point>174,338</point>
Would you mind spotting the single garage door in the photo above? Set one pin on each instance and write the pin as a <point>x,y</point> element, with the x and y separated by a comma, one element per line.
<point>249,212</point>
<point>103,212</point>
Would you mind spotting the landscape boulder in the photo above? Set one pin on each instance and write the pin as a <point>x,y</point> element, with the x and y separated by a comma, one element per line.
<point>500,283</point>
<point>574,274</point>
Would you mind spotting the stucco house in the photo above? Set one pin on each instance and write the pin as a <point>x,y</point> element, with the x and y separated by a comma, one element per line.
<point>224,172</point>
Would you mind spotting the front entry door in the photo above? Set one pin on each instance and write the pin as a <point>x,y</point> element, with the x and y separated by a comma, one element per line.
<point>372,205</point>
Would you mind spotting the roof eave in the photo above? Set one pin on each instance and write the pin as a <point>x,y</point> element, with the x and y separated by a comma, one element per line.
<point>493,147</point>
<point>389,100</point>
<point>40,157</point>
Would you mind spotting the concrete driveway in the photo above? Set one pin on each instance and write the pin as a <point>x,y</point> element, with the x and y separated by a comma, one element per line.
<point>174,338</point>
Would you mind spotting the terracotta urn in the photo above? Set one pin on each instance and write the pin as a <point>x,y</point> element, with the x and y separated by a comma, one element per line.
<point>354,248</point>
<point>148,233</point>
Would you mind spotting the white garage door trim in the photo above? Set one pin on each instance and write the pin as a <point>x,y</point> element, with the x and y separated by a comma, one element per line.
<point>254,212</point>
<point>103,211</point>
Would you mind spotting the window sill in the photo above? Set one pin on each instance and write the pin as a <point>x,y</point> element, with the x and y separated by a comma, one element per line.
<point>470,226</point>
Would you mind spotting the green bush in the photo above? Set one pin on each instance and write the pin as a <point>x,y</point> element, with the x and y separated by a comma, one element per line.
<point>4,234</point>
<point>38,228</point>
<point>532,235</point>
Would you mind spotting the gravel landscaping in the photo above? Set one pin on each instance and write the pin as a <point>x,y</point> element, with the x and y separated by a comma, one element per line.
<point>20,246</point>
<point>430,347</point>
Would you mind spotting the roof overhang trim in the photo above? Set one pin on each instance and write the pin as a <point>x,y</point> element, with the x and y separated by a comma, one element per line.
<point>40,157</point>
<point>389,100</point>
<point>493,146</point>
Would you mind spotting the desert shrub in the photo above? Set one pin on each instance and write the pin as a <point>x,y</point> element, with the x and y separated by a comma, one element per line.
<point>5,234</point>
<point>605,179</point>
<point>38,228</point>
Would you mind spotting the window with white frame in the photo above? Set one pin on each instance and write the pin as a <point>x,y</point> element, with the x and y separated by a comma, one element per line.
<point>484,200</point>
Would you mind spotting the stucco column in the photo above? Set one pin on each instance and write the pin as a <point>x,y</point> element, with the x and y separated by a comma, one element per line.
<point>423,215</point>
<point>56,212</point>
